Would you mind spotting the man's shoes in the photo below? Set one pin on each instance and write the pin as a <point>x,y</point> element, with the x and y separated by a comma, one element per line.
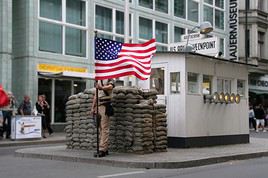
<point>44,136</point>
<point>107,152</point>
<point>101,154</point>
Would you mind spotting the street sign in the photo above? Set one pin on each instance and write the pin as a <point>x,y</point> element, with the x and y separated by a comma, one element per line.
<point>192,36</point>
<point>206,46</point>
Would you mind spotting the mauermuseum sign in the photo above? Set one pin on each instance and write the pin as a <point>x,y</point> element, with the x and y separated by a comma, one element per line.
<point>233,30</point>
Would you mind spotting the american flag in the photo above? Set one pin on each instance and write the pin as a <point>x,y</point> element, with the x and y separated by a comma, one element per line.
<point>115,59</point>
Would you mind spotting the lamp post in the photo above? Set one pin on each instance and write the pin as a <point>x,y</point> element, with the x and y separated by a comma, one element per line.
<point>204,28</point>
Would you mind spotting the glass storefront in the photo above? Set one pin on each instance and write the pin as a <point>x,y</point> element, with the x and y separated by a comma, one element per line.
<point>57,92</point>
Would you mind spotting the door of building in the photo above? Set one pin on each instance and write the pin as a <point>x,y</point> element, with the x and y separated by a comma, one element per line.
<point>158,81</point>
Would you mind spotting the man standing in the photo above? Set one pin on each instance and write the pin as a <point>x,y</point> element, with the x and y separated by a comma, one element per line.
<point>25,107</point>
<point>104,107</point>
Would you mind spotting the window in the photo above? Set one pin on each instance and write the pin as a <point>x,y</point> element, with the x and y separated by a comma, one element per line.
<point>51,9</point>
<point>119,22</point>
<point>146,3</point>
<point>110,23</point>
<point>75,42</point>
<point>214,13</point>
<point>219,19</point>
<point>208,14</point>
<point>220,85</point>
<point>193,10</point>
<point>209,1</point>
<point>261,5</point>
<point>219,3</point>
<point>180,8</point>
<point>241,87</point>
<point>175,82</point>
<point>224,85</point>
<point>178,32</point>
<point>207,85</point>
<point>161,32</point>
<point>261,49</point>
<point>161,6</point>
<point>103,18</point>
<point>157,80</point>
<point>158,5</point>
<point>145,27</point>
<point>79,86</point>
<point>50,37</point>
<point>228,86</point>
<point>56,26</point>
<point>193,86</point>
<point>222,46</point>
<point>76,12</point>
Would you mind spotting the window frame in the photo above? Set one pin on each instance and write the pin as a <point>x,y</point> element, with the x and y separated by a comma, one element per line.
<point>113,34</point>
<point>64,24</point>
<point>158,44</point>
<point>154,7</point>
<point>198,84</point>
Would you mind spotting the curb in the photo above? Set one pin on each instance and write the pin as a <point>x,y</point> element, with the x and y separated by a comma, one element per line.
<point>146,165</point>
<point>36,142</point>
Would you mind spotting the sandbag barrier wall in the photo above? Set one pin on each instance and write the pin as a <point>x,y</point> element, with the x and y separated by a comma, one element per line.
<point>138,124</point>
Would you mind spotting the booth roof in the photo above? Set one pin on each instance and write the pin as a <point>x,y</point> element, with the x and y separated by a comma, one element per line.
<point>206,56</point>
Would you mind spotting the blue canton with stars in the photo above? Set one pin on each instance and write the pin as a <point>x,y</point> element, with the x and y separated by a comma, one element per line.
<point>107,49</point>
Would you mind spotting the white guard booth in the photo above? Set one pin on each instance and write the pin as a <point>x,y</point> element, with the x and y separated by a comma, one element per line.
<point>183,80</point>
<point>26,127</point>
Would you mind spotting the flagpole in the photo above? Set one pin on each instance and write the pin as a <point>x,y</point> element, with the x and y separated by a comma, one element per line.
<point>126,32</point>
<point>97,110</point>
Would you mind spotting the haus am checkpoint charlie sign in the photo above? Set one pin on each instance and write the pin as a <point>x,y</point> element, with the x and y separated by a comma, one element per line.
<point>206,46</point>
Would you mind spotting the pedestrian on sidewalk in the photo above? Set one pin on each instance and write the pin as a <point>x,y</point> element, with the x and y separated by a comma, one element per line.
<point>260,116</point>
<point>8,111</point>
<point>40,109</point>
<point>104,107</point>
<point>25,107</point>
<point>47,115</point>
<point>251,115</point>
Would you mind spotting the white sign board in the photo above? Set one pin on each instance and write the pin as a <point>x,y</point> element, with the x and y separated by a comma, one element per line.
<point>26,127</point>
<point>207,46</point>
<point>192,36</point>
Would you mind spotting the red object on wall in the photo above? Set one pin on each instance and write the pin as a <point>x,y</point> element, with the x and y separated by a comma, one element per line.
<point>4,100</point>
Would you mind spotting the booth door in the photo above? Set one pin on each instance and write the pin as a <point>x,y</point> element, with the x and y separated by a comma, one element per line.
<point>158,81</point>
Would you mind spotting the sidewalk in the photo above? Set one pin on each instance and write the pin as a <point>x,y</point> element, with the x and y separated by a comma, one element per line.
<point>55,138</point>
<point>174,158</point>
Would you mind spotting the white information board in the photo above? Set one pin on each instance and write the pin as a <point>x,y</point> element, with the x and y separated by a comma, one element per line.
<point>26,127</point>
<point>206,46</point>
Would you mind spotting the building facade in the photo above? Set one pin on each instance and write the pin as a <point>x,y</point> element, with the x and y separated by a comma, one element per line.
<point>42,38</point>
<point>255,50</point>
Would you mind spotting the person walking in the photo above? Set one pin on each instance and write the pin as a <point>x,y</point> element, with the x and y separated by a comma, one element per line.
<point>104,107</point>
<point>40,108</point>
<point>8,111</point>
<point>47,115</point>
<point>259,115</point>
<point>251,115</point>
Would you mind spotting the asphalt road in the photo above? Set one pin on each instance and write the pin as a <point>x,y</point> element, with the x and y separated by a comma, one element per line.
<point>16,167</point>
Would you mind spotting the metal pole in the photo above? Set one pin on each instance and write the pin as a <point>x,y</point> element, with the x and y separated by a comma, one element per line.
<point>126,32</point>
<point>246,31</point>
<point>97,111</point>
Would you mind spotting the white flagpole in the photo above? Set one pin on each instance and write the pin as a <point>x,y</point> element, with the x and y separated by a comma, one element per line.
<point>126,32</point>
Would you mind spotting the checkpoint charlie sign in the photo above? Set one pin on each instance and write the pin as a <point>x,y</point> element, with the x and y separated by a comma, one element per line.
<point>207,46</point>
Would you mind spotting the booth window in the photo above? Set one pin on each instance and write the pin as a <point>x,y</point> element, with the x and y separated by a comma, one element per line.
<point>224,85</point>
<point>241,87</point>
<point>193,83</point>
<point>207,85</point>
<point>157,80</point>
<point>175,82</point>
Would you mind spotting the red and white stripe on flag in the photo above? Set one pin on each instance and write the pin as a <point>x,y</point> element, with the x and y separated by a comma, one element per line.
<point>114,59</point>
